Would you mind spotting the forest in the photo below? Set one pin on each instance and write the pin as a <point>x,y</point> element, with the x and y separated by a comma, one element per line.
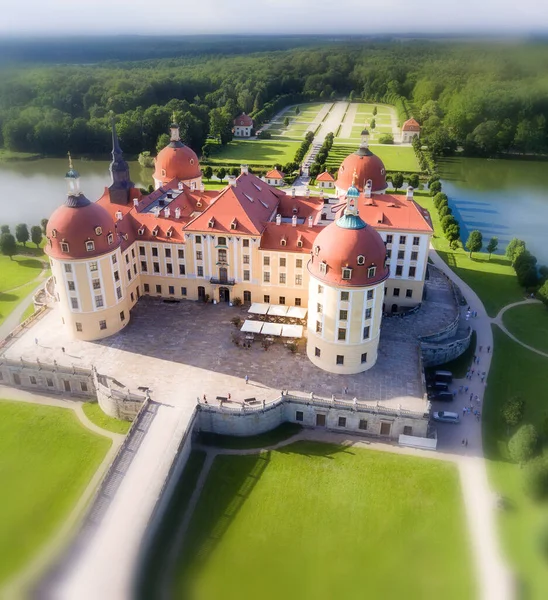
<point>481,98</point>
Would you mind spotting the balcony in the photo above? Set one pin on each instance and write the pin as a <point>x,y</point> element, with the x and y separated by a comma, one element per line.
<point>222,281</point>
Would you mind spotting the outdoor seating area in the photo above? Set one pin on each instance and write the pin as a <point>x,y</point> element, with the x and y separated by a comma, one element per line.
<point>275,321</point>
<point>271,330</point>
<point>279,313</point>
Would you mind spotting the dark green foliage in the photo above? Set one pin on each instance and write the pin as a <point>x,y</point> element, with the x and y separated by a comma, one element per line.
<point>234,171</point>
<point>523,444</point>
<point>221,173</point>
<point>512,411</point>
<point>515,246</point>
<point>386,138</point>
<point>374,111</point>
<point>526,270</point>
<point>433,178</point>
<point>536,478</point>
<point>43,225</point>
<point>474,242</point>
<point>208,172</point>
<point>492,245</point>
<point>397,181</point>
<point>444,210</point>
<point>5,229</point>
<point>36,235</point>
<point>286,121</point>
<point>452,233</point>
<point>413,180</point>
<point>373,124</point>
<point>22,233</point>
<point>447,221</point>
<point>8,245</point>
<point>435,188</point>
<point>439,198</point>
<point>297,110</point>
<point>542,293</point>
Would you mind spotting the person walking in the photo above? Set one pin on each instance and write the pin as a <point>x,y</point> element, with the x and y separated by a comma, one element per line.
<point>488,349</point>
<point>246,379</point>
<point>36,341</point>
<point>63,349</point>
<point>463,410</point>
<point>480,348</point>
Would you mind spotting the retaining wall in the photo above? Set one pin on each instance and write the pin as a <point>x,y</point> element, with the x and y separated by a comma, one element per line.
<point>438,354</point>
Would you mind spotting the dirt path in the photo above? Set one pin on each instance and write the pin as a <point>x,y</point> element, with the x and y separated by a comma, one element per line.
<point>46,554</point>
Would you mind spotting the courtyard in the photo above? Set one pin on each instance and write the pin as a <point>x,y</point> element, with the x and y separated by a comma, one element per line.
<point>323,521</point>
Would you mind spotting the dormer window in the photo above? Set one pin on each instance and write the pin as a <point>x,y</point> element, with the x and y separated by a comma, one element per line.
<point>54,233</point>
<point>361,259</point>
<point>234,224</point>
<point>316,250</point>
<point>299,243</point>
<point>169,232</point>
<point>211,222</point>
<point>198,204</point>
<point>163,172</point>
<point>90,246</point>
<point>191,161</point>
<point>155,231</point>
<point>283,242</point>
<point>110,238</point>
<point>346,273</point>
<point>98,230</point>
<point>323,267</point>
<point>125,236</point>
<point>371,271</point>
<point>64,247</point>
<point>141,231</point>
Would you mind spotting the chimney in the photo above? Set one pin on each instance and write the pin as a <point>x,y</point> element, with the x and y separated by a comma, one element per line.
<point>293,192</point>
<point>156,211</point>
<point>180,185</point>
<point>310,221</point>
<point>278,219</point>
<point>119,215</point>
<point>202,187</point>
<point>135,202</point>
<point>167,212</point>
<point>177,213</point>
<point>321,193</point>
<point>192,186</point>
<point>294,220</point>
<point>244,169</point>
<point>410,191</point>
<point>232,180</point>
<point>367,190</point>
<point>307,193</point>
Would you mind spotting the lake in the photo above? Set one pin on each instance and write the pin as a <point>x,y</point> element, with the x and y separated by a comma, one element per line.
<point>503,198</point>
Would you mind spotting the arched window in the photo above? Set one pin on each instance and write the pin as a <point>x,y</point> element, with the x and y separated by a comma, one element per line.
<point>371,271</point>
<point>361,259</point>
<point>90,246</point>
<point>346,273</point>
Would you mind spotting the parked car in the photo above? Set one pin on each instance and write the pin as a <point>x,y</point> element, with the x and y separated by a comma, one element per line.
<point>446,417</point>
<point>441,396</point>
<point>445,376</point>
<point>438,386</point>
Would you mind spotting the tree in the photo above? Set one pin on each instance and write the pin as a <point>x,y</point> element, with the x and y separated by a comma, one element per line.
<point>543,293</point>
<point>413,180</point>
<point>221,173</point>
<point>452,233</point>
<point>386,138</point>
<point>220,125</point>
<point>8,245</point>
<point>439,198</point>
<point>474,242</point>
<point>162,142</point>
<point>515,246</point>
<point>435,188</point>
<point>523,444</point>
<point>447,221</point>
<point>512,411</point>
<point>492,245</point>
<point>208,173</point>
<point>5,229</point>
<point>22,233</point>
<point>444,211</point>
<point>234,171</point>
<point>373,124</point>
<point>297,110</point>
<point>536,478</point>
<point>374,111</point>
<point>36,235</point>
<point>286,122</point>
<point>397,181</point>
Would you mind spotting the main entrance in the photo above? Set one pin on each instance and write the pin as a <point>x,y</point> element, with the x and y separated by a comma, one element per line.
<point>224,294</point>
<point>201,292</point>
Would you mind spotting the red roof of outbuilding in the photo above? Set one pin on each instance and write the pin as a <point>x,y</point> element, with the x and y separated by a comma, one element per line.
<point>274,174</point>
<point>244,120</point>
<point>411,125</point>
<point>325,176</point>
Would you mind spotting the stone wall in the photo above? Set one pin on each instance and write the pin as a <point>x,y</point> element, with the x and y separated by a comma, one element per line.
<point>437,354</point>
<point>340,415</point>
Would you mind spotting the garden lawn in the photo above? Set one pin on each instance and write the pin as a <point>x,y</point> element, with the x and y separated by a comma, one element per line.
<point>262,152</point>
<point>46,460</point>
<point>395,158</point>
<point>17,272</point>
<point>10,300</point>
<point>96,415</point>
<point>493,280</point>
<point>529,323</point>
<point>516,371</point>
<point>318,521</point>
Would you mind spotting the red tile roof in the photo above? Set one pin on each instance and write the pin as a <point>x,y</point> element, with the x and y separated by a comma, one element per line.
<point>274,234</point>
<point>411,125</point>
<point>325,176</point>
<point>274,174</point>
<point>385,211</point>
<point>244,120</point>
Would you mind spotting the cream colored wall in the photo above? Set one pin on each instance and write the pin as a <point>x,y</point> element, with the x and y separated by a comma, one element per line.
<point>402,301</point>
<point>327,341</point>
<point>87,313</point>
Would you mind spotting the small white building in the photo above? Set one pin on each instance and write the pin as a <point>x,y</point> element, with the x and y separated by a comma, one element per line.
<point>243,126</point>
<point>325,180</point>
<point>410,129</point>
<point>274,177</point>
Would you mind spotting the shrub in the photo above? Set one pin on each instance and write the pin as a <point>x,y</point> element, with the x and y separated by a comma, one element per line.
<point>439,198</point>
<point>264,135</point>
<point>237,301</point>
<point>413,180</point>
<point>6,229</point>
<point>397,181</point>
<point>454,245</point>
<point>536,478</point>
<point>452,233</point>
<point>386,138</point>
<point>444,211</point>
<point>543,293</point>
<point>512,411</point>
<point>432,179</point>
<point>447,221</point>
<point>514,247</point>
<point>435,188</point>
<point>523,444</point>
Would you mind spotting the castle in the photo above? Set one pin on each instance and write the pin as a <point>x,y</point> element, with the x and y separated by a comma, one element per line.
<point>349,259</point>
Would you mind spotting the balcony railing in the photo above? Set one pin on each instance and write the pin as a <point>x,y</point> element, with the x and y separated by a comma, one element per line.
<point>222,281</point>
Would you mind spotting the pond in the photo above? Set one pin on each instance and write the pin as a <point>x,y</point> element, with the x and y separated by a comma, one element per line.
<point>503,198</point>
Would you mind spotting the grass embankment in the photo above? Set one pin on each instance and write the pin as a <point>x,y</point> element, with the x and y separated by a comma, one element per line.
<point>98,417</point>
<point>9,155</point>
<point>10,300</point>
<point>46,460</point>
<point>494,281</point>
<point>263,440</point>
<point>529,323</point>
<point>260,152</point>
<point>323,521</point>
<point>395,158</point>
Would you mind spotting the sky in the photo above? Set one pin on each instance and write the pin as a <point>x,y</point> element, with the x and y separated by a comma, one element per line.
<point>95,17</point>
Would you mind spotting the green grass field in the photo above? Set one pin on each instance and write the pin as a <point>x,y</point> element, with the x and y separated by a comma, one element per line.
<point>46,460</point>
<point>395,158</point>
<point>262,152</point>
<point>529,323</point>
<point>318,521</point>
<point>10,300</point>
<point>493,280</point>
<point>17,272</point>
<point>516,371</point>
<point>96,415</point>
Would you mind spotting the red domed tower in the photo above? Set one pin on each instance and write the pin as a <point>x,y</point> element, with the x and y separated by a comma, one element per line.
<point>84,251</point>
<point>347,275</point>
<point>367,167</point>
<point>177,161</point>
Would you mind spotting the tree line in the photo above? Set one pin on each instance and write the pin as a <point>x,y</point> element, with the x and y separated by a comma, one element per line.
<point>8,241</point>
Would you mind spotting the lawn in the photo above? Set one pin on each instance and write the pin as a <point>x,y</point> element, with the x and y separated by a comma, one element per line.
<point>18,271</point>
<point>269,438</point>
<point>494,281</point>
<point>323,521</point>
<point>516,371</point>
<point>47,459</point>
<point>10,300</point>
<point>262,152</point>
<point>529,323</point>
<point>96,415</point>
<point>395,158</point>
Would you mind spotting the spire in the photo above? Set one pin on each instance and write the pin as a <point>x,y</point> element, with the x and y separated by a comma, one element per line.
<point>73,178</point>
<point>119,170</point>
<point>116,150</point>
<point>174,129</point>
<point>352,196</point>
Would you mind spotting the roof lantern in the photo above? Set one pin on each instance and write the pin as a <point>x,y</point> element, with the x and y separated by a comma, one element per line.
<point>73,179</point>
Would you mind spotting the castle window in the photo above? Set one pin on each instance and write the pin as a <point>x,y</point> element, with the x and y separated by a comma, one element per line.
<point>282,278</point>
<point>98,230</point>
<point>299,415</point>
<point>282,300</point>
<point>146,288</point>
<point>266,261</point>
<point>119,215</point>
<point>154,251</point>
<point>266,299</point>
<point>401,254</point>
<point>283,241</point>
<point>119,293</point>
<point>316,250</point>
<point>366,332</point>
<point>319,308</point>
<point>368,312</point>
<point>414,255</point>
<point>200,271</point>
<point>110,238</point>
<point>234,224</point>
<point>342,334</point>
<point>64,247</point>
<point>144,267</point>
<point>169,268</point>
<point>99,301</point>
<point>156,267</point>
<point>93,266</point>
<point>363,422</point>
<point>299,263</point>
<point>298,279</point>
<point>300,243</point>
<point>78,326</point>
<point>191,161</point>
<point>320,289</point>
<point>403,239</point>
<point>199,255</point>
<point>342,421</point>
<point>180,254</point>
<point>346,273</point>
<point>317,352</point>
<point>343,315</point>
<point>102,324</point>
<point>245,259</point>
<point>246,275</point>
<point>412,271</point>
<point>389,239</point>
<point>318,326</point>
<point>399,271</point>
<point>297,302</point>
<point>370,294</point>
<point>163,172</point>
<point>245,243</point>
<point>141,230</point>
<point>416,241</point>
<point>71,286</point>
<point>96,284</point>
<point>340,359</point>
<point>158,289</point>
<point>364,360</point>
<point>182,270</point>
<point>183,291</point>
<point>122,316</point>
<point>198,239</point>
<point>155,231</point>
<point>221,241</point>
<point>361,259</point>
<point>409,293</point>
<point>169,232</point>
<point>371,272</point>
<point>74,303</point>
<point>68,268</point>
<point>171,290</point>
<point>323,267</point>
<point>116,276</point>
<point>211,222</point>
<point>345,296</point>
<point>396,292</point>
<point>266,277</point>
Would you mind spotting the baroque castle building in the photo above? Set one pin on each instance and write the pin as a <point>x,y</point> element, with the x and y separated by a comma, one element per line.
<point>349,259</point>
